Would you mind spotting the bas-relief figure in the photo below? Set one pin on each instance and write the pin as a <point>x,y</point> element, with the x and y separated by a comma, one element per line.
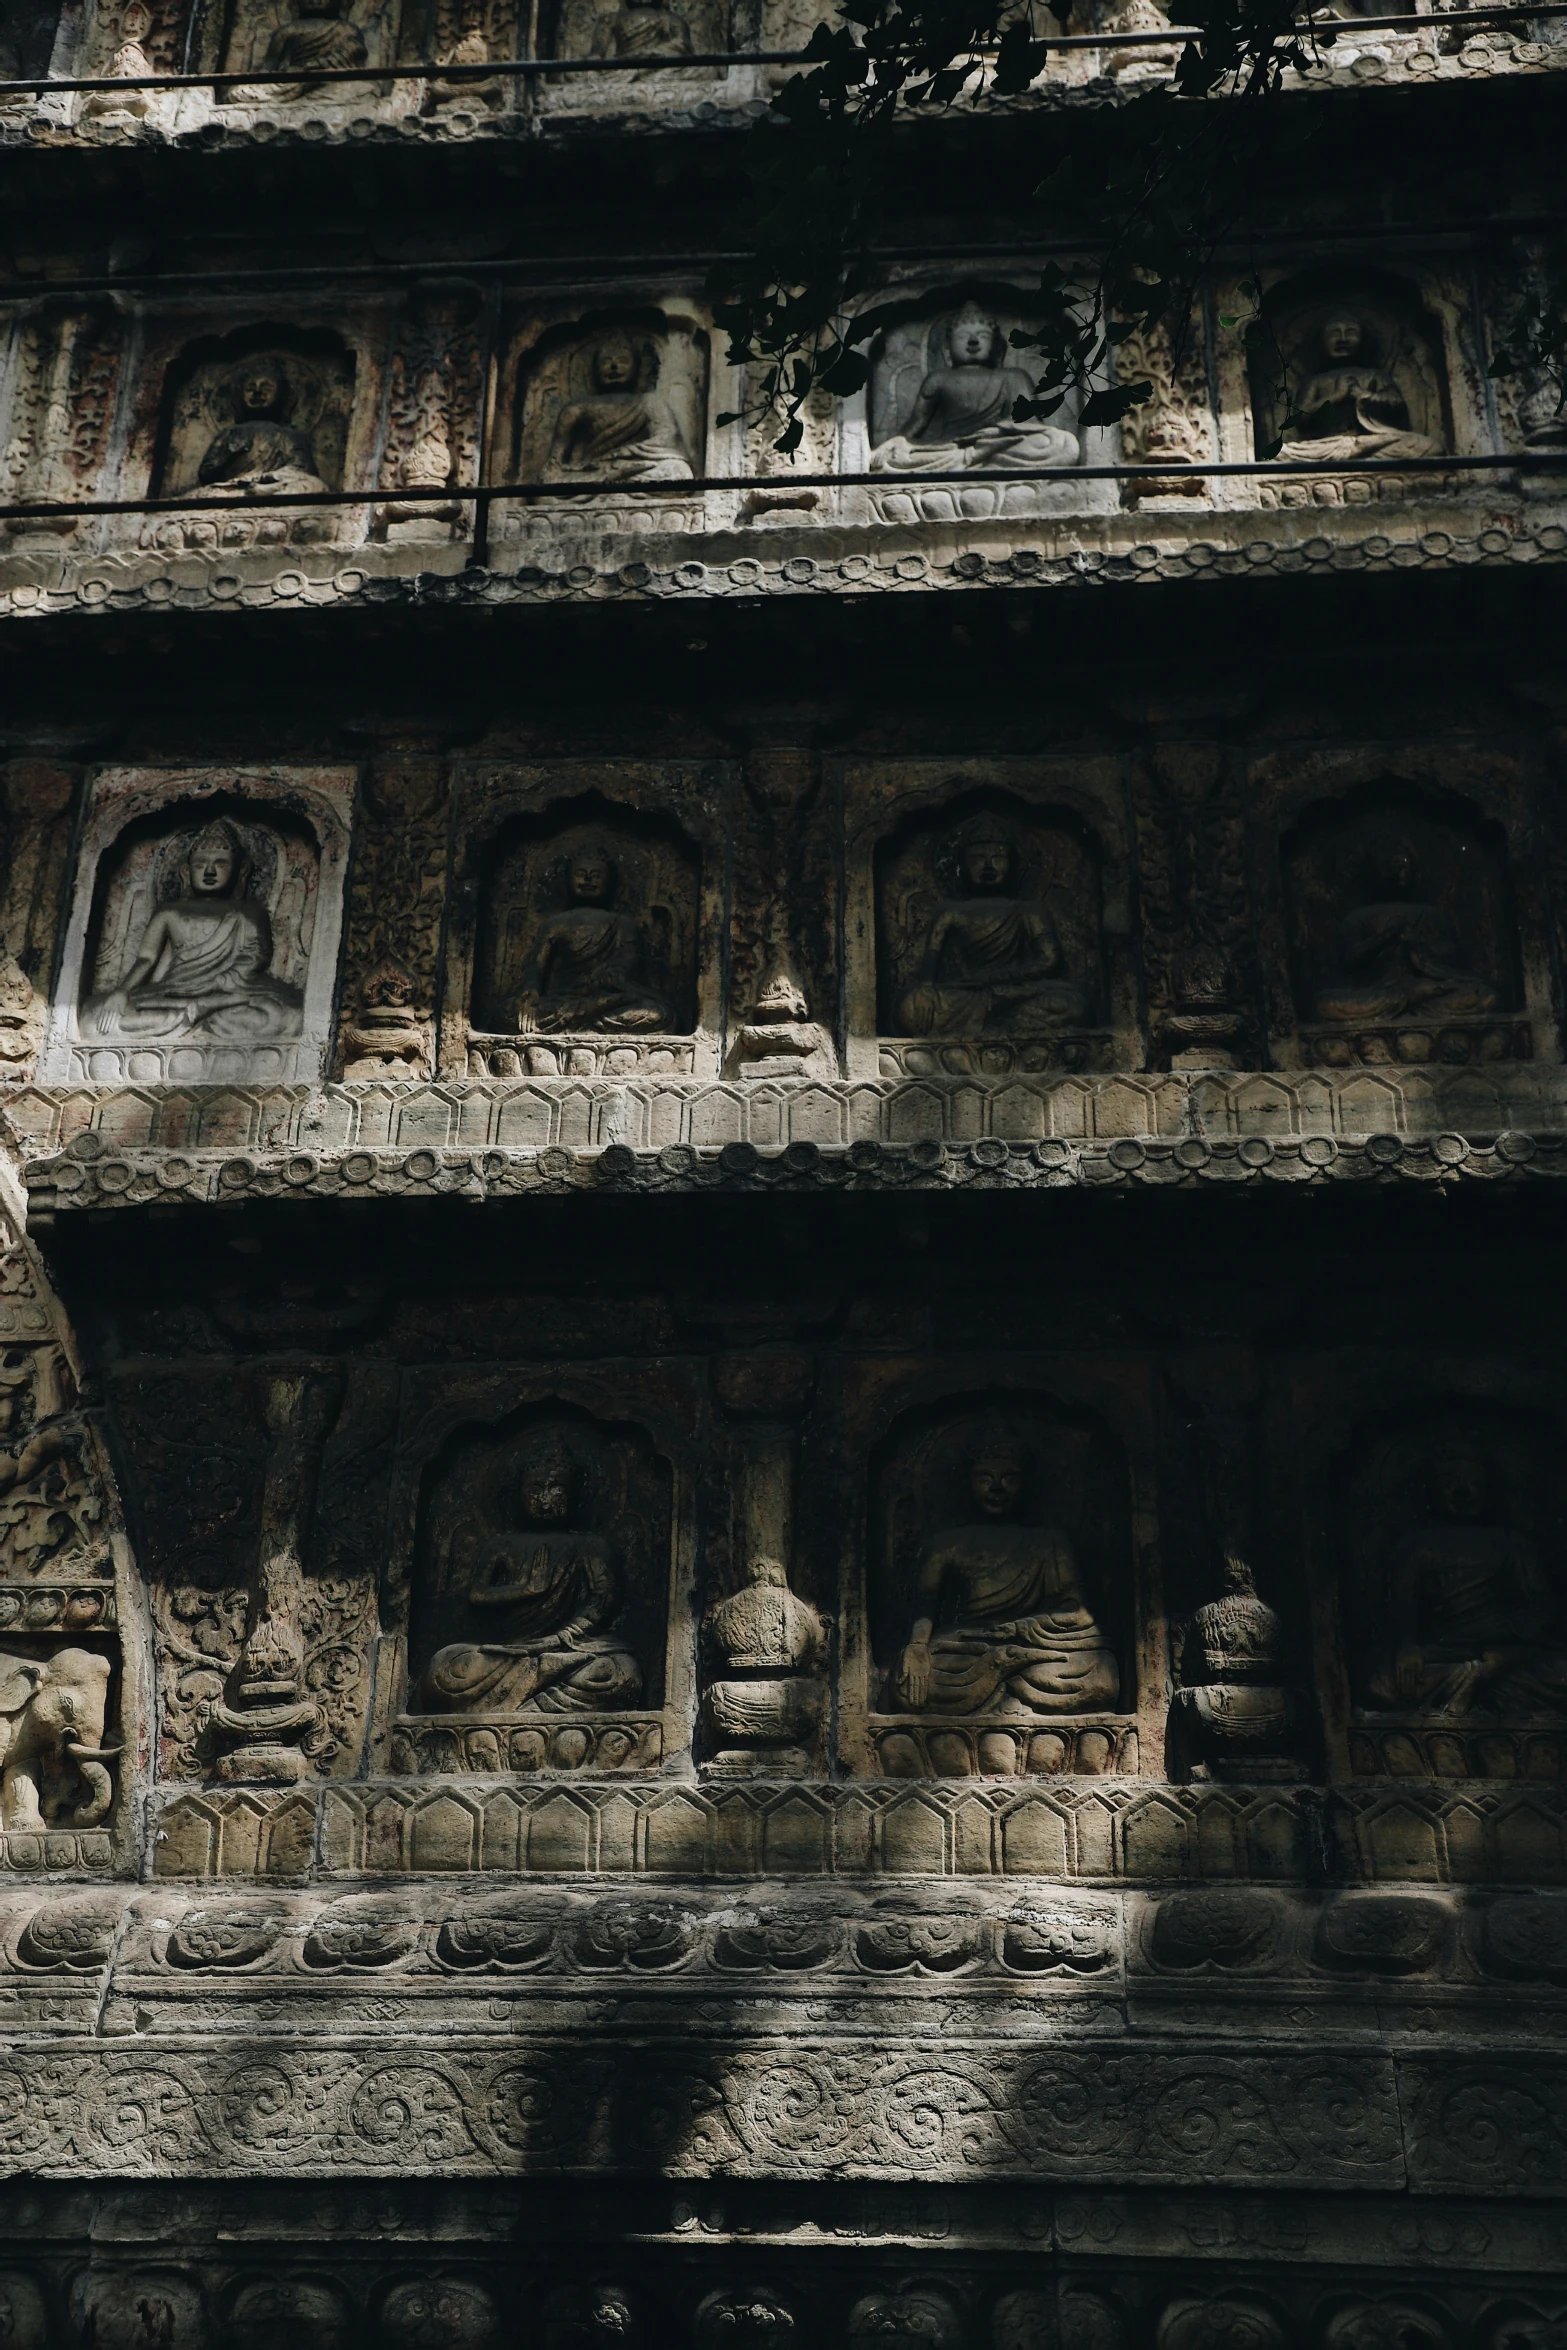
<point>204,962</point>
<point>942,400</point>
<point>640,28</point>
<point>1399,914</point>
<point>1001,1625</point>
<point>973,933</point>
<point>780,1039</point>
<point>316,36</point>
<point>54,1766</point>
<point>1239,1717</point>
<point>592,931</point>
<point>273,420</point>
<point>1346,375</point>
<point>621,402</point>
<point>1474,1619</point>
<point>767,1647</point>
<point>550,1590</point>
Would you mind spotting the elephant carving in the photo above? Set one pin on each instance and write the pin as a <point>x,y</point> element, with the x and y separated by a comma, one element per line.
<point>54,1766</point>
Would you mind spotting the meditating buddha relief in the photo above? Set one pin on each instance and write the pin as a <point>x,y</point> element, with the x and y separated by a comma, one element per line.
<point>541,1595</point>
<point>262,414</point>
<point>203,941</point>
<point>619,400</point>
<point>945,381</point>
<point>1452,1587</point>
<point>989,935</point>
<point>1348,369</point>
<point>632,30</point>
<point>1403,937</point>
<point>996,1615</point>
<point>301,36</point>
<point>587,930</point>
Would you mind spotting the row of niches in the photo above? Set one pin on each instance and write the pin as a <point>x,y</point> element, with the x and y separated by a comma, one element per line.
<point>1012,917</point>
<point>130,39</point>
<point>621,399</point>
<point>962,1582</point>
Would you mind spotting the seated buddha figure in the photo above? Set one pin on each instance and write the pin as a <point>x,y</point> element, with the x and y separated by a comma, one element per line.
<point>317,36</point>
<point>1001,1623</point>
<point>554,1590</point>
<point>586,971</point>
<point>641,28</point>
<point>619,429</point>
<point>1398,954</point>
<point>1347,408</point>
<point>990,959</point>
<point>1472,1618</point>
<point>203,964</point>
<point>962,416</point>
<point>260,450</point>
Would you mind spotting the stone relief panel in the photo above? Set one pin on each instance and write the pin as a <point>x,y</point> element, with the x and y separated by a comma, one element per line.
<point>59,399</point>
<point>1000,1568</point>
<point>266,411</point>
<point>203,937</point>
<point>586,932</point>
<point>296,35</point>
<point>999,922</point>
<point>262,1492</point>
<point>1348,368</point>
<point>39,801</point>
<point>435,399</point>
<point>1451,1589</point>
<point>1403,936</point>
<point>630,29</point>
<point>944,380</point>
<point>543,1571</point>
<point>397,897</point>
<point>606,400</point>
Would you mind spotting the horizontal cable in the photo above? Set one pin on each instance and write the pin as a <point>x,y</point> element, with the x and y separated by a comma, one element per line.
<point>56,509</point>
<point>705,61</point>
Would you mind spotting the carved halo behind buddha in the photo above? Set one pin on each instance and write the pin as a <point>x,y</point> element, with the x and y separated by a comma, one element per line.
<point>1348,368</point>
<point>620,398</point>
<point>267,411</point>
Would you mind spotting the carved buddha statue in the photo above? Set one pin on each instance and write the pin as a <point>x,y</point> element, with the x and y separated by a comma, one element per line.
<point>555,1591</point>
<point>990,959</point>
<point>260,450</point>
<point>1398,954</point>
<point>1002,1626</point>
<point>316,36</point>
<point>642,28</point>
<point>203,963</point>
<point>1472,1614</point>
<point>587,971</point>
<point>1349,409</point>
<point>1239,1717</point>
<point>621,428</point>
<point>962,416</point>
<point>781,1039</point>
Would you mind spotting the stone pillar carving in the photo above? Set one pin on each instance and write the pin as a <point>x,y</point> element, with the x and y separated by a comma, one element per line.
<point>62,408</point>
<point>394,920</point>
<point>266,1709</point>
<point>434,401</point>
<point>786,884</point>
<point>39,795</point>
<point>1232,1715</point>
<point>765,1647</point>
<point>1195,921</point>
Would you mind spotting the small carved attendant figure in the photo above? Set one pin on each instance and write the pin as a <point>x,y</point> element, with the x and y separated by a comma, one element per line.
<point>1002,1624</point>
<point>260,450</point>
<point>204,960</point>
<point>990,960</point>
<point>1472,1615</point>
<point>620,428</point>
<point>769,1647</point>
<point>558,1590</point>
<point>587,971</point>
<point>963,415</point>
<point>1348,409</point>
<point>780,1039</point>
<point>1398,954</point>
<point>317,36</point>
<point>1238,1716</point>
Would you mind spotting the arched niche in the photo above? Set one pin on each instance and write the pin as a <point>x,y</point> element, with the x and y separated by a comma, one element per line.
<point>989,924</point>
<point>1348,364</point>
<point>268,399</point>
<point>1403,939</point>
<point>588,917</point>
<point>618,395</point>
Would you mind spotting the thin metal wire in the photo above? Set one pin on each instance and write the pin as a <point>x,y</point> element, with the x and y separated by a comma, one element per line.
<point>708,60</point>
<point>55,509</point>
